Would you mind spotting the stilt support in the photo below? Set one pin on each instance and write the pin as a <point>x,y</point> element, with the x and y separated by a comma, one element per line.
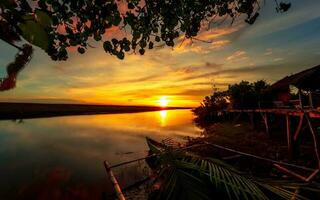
<point>265,120</point>
<point>289,137</point>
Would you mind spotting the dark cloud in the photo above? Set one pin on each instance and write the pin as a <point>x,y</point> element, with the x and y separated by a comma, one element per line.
<point>212,65</point>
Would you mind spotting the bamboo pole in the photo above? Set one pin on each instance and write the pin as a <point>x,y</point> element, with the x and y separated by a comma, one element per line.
<point>315,143</point>
<point>114,181</point>
<point>260,158</point>
<point>290,172</point>
<point>226,149</point>
<point>306,179</point>
<point>251,116</point>
<point>265,119</point>
<point>310,100</point>
<point>300,99</point>
<point>289,138</point>
<point>235,120</point>
<point>299,127</point>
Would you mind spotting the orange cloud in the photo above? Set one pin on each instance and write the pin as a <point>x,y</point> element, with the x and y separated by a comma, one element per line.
<point>206,41</point>
<point>238,55</point>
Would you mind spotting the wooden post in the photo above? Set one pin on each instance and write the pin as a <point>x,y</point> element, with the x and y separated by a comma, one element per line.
<point>295,138</point>
<point>114,181</point>
<point>237,118</point>
<point>265,119</point>
<point>310,100</point>
<point>300,99</point>
<point>315,142</point>
<point>251,115</point>
<point>289,137</point>
<point>298,130</point>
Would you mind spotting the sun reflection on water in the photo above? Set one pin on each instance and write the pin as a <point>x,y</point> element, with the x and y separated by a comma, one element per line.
<point>163,118</point>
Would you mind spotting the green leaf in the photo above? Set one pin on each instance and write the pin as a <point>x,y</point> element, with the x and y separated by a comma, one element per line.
<point>141,51</point>
<point>34,33</point>
<point>43,18</point>
<point>107,46</point>
<point>130,5</point>
<point>81,50</point>
<point>120,55</point>
<point>28,17</point>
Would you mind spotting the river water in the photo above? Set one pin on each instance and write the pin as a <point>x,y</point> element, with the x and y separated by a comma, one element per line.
<point>62,157</point>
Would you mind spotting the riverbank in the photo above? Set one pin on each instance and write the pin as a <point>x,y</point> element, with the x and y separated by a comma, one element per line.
<point>38,110</point>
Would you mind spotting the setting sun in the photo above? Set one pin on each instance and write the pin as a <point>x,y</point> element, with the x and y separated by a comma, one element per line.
<point>163,101</point>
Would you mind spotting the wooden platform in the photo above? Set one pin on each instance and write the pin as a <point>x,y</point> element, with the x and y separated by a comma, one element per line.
<point>312,113</point>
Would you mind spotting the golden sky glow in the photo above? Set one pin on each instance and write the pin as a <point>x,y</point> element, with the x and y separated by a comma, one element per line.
<point>275,46</point>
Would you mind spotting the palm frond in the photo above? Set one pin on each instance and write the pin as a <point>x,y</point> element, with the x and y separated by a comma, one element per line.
<point>184,175</point>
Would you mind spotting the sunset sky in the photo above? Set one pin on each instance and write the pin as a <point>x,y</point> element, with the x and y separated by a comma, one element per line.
<point>275,46</point>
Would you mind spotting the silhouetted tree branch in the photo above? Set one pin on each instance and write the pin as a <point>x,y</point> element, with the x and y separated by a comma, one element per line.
<point>56,26</point>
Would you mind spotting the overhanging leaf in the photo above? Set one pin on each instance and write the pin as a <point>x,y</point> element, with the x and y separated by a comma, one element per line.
<point>34,33</point>
<point>28,17</point>
<point>43,18</point>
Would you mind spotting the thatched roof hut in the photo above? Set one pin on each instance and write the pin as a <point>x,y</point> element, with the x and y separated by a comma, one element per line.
<point>307,81</point>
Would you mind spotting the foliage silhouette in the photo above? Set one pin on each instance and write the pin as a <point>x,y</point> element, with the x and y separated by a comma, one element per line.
<point>246,95</point>
<point>211,108</point>
<point>242,95</point>
<point>55,25</point>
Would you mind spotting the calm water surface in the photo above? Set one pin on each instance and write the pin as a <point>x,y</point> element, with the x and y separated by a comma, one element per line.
<point>61,157</point>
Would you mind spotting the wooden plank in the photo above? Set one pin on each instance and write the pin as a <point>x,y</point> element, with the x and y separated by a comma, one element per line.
<point>314,114</point>
<point>114,181</point>
<point>292,112</point>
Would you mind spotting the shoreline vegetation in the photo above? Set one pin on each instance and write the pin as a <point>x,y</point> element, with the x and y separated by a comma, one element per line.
<point>38,110</point>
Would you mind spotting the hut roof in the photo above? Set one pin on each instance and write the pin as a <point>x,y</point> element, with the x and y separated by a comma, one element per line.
<point>308,80</point>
